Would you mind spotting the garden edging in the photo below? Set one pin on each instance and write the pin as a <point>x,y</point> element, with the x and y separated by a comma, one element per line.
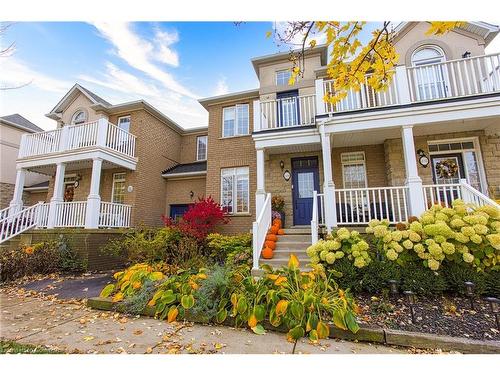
<point>367,334</point>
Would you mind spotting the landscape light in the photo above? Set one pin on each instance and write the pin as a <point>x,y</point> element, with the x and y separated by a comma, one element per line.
<point>495,308</point>
<point>469,292</point>
<point>393,287</point>
<point>410,296</point>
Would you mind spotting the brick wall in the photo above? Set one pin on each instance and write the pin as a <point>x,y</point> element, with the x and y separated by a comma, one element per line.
<point>35,197</point>
<point>189,147</point>
<point>7,192</point>
<point>178,191</point>
<point>231,152</point>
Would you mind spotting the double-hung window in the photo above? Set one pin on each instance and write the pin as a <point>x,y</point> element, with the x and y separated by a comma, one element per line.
<point>235,120</point>
<point>235,195</point>
<point>354,170</point>
<point>282,77</point>
<point>118,192</point>
<point>201,148</point>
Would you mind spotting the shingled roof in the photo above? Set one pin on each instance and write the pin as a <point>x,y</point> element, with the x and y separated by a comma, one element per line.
<point>198,167</point>
<point>19,121</point>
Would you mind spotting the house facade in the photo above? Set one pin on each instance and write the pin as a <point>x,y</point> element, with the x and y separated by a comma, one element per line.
<point>432,136</point>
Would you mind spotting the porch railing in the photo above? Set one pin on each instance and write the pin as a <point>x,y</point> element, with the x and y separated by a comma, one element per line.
<point>287,112</point>
<point>360,205</point>
<point>71,137</point>
<point>260,228</point>
<point>70,214</point>
<point>455,78</point>
<point>21,221</point>
<point>114,215</point>
<point>365,98</point>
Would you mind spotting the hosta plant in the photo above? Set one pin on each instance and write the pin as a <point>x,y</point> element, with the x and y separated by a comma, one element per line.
<point>342,243</point>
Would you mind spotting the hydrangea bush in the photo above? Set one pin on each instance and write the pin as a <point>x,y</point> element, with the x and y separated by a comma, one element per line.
<point>342,243</point>
<point>464,233</point>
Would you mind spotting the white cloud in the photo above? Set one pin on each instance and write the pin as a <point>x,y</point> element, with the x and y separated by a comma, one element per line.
<point>221,88</point>
<point>165,54</point>
<point>140,53</point>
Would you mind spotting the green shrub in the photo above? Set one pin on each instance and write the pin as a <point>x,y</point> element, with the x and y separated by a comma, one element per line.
<point>212,291</point>
<point>457,274</point>
<point>422,280</point>
<point>136,303</point>
<point>492,284</point>
<point>40,258</point>
<point>234,249</point>
<point>346,275</point>
<point>375,276</point>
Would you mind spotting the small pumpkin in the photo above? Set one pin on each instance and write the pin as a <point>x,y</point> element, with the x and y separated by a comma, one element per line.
<point>281,232</point>
<point>278,223</point>
<point>272,237</point>
<point>274,229</point>
<point>267,253</point>
<point>270,244</point>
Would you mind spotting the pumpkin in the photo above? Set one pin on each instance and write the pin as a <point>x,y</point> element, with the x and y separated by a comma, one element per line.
<point>281,232</point>
<point>267,253</point>
<point>272,237</point>
<point>270,244</point>
<point>277,222</point>
<point>274,229</point>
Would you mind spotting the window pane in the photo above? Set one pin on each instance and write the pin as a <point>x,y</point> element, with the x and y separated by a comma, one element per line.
<point>354,176</point>
<point>229,120</point>
<point>235,195</point>
<point>242,194</point>
<point>201,153</point>
<point>227,193</point>
<point>305,182</point>
<point>282,77</point>
<point>124,123</point>
<point>472,170</point>
<point>242,113</point>
<point>118,188</point>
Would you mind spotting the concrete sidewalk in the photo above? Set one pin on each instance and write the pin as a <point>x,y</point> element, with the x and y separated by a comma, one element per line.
<point>72,327</point>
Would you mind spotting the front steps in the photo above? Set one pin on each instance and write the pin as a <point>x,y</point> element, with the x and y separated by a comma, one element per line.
<point>295,241</point>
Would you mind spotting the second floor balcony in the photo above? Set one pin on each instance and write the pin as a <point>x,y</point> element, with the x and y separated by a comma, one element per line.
<point>466,78</point>
<point>96,135</point>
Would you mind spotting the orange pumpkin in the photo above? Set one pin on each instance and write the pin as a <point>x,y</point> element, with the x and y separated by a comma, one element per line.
<point>281,232</point>
<point>272,237</point>
<point>274,229</point>
<point>267,253</point>
<point>277,222</point>
<point>270,244</point>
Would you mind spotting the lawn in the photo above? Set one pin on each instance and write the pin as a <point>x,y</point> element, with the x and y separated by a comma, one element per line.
<point>12,347</point>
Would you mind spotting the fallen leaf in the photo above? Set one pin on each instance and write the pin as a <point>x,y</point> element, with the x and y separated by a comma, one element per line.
<point>88,338</point>
<point>149,350</point>
<point>137,332</point>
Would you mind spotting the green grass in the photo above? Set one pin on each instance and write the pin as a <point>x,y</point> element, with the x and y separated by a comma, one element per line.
<point>11,347</point>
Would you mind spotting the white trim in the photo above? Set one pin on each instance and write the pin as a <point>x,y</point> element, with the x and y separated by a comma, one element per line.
<point>113,186</point>
<point>184,174</point>
<point>77,112</point>
<point>235,129</point>
<point>129,122</point>
<point>427,46</point>
<point>477,151</point>
<point>355,162</point>
<point>234,174</point>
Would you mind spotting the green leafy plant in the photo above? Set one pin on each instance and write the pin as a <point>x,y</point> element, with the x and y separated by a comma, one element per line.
<point>235,249</point>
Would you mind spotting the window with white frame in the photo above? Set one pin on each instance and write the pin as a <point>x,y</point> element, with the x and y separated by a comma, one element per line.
<point>283,76</point>
<point>235,195</point>
<point>235,120</point>
<point>201,148</point>
<point>354,170</point>
<point>80,117</point>
<point>118,192</point>
<point>124,123</point>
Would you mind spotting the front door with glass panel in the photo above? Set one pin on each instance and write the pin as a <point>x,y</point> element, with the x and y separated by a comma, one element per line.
<point>305,180</point>
<point>447,169</point>
<point>288,108</point>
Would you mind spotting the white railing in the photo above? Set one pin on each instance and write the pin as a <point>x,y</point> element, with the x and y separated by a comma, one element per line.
<point>19,222</point>
<point>71,137</point>
<point>286,112</point>
<point>120,140</point>
<point>260,228</point>
<point>43,215</point>
<point>83,135</point>
<point>4,212</point>
<point>360,205</point>
<point>40,143</point>
<point>365,98</point>
<point>445,194</point>
<point>455,78</point>
<point>70,214</point>
<point>114,215</point>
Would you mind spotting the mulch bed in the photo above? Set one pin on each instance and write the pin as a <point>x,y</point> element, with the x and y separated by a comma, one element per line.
<point>441,315</point>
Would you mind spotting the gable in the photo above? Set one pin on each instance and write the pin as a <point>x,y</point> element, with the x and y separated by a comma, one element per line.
<point>80,102</point>
<point>454,43</point>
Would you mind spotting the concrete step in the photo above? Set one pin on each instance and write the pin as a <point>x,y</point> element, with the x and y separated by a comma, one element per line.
<point>285,238</point>
<point>277,263</point>
<point>298,230</point>
<point>301,246</point>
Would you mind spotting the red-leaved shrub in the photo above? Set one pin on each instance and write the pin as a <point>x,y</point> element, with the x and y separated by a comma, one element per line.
<point>200,219</point>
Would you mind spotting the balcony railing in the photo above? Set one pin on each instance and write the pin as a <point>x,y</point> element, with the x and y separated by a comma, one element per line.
<point>99,133</point>
<point>287,112</point>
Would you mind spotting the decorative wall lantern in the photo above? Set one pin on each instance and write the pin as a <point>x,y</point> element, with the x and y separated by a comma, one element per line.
<point>287,175</point>
<point>191,194</point>
<point>282,164</point>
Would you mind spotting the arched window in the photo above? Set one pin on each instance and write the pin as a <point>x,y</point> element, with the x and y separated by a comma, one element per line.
<point>430,75</point>
<point>80,117</point>
<point>427,55</point>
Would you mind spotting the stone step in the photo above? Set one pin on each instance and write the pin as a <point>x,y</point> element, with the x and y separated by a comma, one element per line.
<point>302,246</point>
<point>277,263</point>
<point>298,230</point>
<point>294,238</point>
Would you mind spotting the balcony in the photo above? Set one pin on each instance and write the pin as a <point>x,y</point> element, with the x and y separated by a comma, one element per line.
<point>79,139</point>
<point>466,78</point>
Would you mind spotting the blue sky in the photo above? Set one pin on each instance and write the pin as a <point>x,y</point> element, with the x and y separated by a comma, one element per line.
<point>168,64</point>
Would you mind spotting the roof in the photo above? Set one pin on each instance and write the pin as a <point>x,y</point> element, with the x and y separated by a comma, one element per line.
<point>205,102</point>
<point>21,122</point>
<point>96,97</point>
<point>188,169</point>
<point>40,186</point>
<point>485,30</point>
<point>321,49</point>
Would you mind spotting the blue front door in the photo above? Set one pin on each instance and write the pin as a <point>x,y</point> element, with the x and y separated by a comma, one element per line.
<point>305,180</point>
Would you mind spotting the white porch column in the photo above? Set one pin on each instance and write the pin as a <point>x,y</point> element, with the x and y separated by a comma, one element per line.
<point>16,204</point>
<point>58,195</point>
<point>260,194</point>
<point>94,199</point>
<point>328,185</point>
<point>413,180</point>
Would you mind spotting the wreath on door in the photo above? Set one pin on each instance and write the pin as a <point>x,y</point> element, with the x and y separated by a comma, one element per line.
<point>446,168</point>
